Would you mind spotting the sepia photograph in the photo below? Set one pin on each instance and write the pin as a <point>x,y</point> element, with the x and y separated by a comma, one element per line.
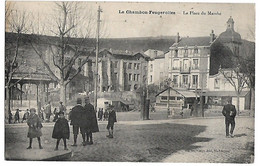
<point>140,82</point>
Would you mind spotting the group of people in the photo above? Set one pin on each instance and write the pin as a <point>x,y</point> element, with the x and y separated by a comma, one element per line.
<point>102,115</point>
<point>82,118</point>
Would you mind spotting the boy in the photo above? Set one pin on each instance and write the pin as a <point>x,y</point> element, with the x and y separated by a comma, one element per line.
<point>111,121</point>
<point>61,130</point>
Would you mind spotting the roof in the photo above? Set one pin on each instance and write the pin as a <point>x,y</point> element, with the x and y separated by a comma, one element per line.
<point>193,41</point>
<point>184,93</point>
<point>225,93</point>
<point>229,36</point>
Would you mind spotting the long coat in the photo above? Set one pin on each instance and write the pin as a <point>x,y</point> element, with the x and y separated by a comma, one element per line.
<point>61,129</point>
<point>92,124</point>
<point>76,115</point>
<point>35,125</point>
<point>112,118</point>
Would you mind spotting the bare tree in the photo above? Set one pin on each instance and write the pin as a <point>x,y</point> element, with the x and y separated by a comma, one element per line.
<point>68,22</point>
<point>18,23</point>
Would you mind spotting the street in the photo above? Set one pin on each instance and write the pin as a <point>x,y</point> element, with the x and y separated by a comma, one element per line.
<point>173,140</point>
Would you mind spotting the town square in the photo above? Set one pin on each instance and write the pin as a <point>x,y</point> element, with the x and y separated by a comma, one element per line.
<point>129,82</point>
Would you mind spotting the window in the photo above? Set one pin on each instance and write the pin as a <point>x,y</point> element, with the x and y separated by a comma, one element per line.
<point>135,66</point>
<point>175,79</point>
<point>195,64</point>
<point>175,64</point>
<point>116,64</point>
<point>130,77</point>
<point>151,67</point>
<point>179,98</point>
<point>185,64</point>
<point>164,98</point>
<point>130,66</point>
<point>138,76</point>
<point>196,51</point>
<point>195,80</point>
<point>138,66</point>
<point>185,52</point>
<point>124,65</point>
<point>134,77</point>
<point>176,53</point>
<point>116,76</point>
<point>172,98</point>
<point>185,79</point>
<point>217,83</point>
<point>151,78</point>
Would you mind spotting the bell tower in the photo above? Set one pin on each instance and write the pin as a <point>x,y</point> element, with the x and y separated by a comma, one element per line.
<point>230,23</point>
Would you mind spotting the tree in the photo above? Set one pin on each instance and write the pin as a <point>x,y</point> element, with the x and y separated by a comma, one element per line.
<point>69,21</point>
<point>18,23</point>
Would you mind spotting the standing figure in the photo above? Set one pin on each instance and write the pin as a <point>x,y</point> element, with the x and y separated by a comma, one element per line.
<point>62,108</point>
<point>92,125</point>
<point>10,117</point>
<point>16,116</point>
<point>100,114</point>
<point>111,121</point>
<point>229,111</point>
<point>48,111</point>
<point>35,125</point>
<point>41,114</point>
<point>26,115</point>
<point>106,115</point>
<point>56,113</point>
<point>61,130</point>
<point>76,117</point>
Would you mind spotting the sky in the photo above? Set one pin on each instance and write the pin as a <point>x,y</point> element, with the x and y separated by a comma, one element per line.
<point>121,25</point>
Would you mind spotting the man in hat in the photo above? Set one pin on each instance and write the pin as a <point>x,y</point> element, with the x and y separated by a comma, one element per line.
<point>229,111</point>
<point>62,108</point>
<point>91,124</point>
<point>76,121</point>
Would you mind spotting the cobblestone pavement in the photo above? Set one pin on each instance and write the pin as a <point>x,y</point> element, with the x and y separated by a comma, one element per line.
<point>177,140</point>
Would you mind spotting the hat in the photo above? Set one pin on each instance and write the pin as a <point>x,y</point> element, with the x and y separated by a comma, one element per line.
<point>79,101</point>
<point>32,110</point>
<point>60,102</point>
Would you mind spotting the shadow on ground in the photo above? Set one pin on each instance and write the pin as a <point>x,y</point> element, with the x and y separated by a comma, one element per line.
<point>143,143</point>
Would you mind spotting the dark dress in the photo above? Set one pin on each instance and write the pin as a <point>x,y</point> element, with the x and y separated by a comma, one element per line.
<point>92,124</point>
<point>35,125</point>
<point>61,129</point>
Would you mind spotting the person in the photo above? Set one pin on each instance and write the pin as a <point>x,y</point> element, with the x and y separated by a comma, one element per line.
<point>100,114</point>
<point>48,112</point>
<point>229,111</point>
<point>10,117</point>
<point>111,121</point>
<point>41,114</point>
<point>92,125</point>
<point>62,108</point>
<point>16,116</point>
<point>56,114</point>
<point>61,130</point>
<point>76,121</point>
<point>106,115</point>
<point>35,125</point>
<point>26,115</point>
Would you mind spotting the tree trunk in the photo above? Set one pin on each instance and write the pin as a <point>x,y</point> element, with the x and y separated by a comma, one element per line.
<point>63,93</point>
<point>238,110</point>
<point>7,104</point>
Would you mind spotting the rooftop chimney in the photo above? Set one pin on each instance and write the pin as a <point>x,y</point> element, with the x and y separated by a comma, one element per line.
<point>212,36</point>
<point>177,38</point>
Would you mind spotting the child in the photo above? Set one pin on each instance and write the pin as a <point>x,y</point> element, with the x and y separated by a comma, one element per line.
<point>111,121</point>
<point>35,125</point>
<point>61,130</point>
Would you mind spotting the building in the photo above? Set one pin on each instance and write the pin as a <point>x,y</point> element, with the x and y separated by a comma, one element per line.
<point>194,64</point>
